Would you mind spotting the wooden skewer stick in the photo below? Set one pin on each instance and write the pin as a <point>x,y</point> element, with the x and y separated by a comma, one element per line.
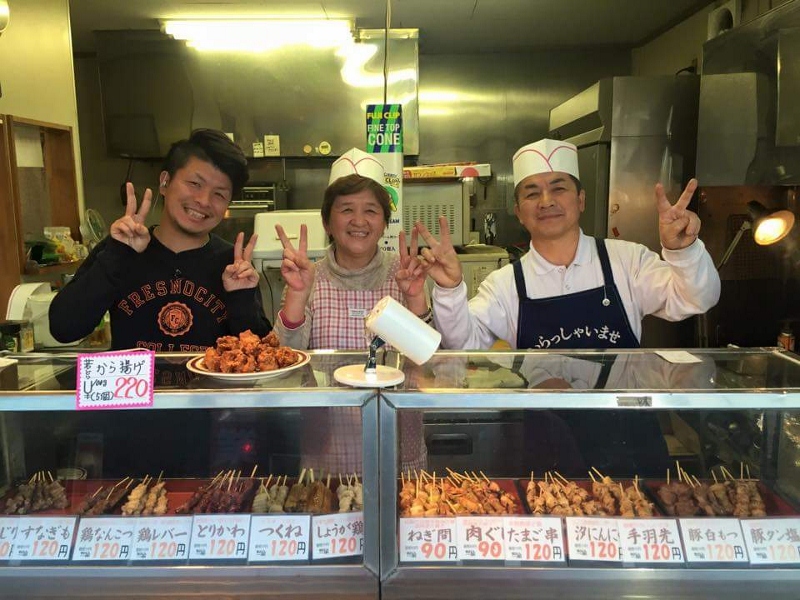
<point>747,467</point>
<point>741,470</point>
<point>667,476</point>
<point>678,467</point>
<point>252,474</point>
<point>592,477</point>
<point>599,474</point>
<point>714,475</point>
<point>485,477</point>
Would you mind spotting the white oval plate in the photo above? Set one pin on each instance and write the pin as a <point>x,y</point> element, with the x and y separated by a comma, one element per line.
<point>197,365</point>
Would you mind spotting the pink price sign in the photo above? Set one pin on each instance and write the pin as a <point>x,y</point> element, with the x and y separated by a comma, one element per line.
<point>115,380</point>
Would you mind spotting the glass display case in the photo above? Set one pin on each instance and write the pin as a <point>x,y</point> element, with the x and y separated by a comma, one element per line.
<point>492,474</point>
<point>594,474</point>
<point>187,497</point>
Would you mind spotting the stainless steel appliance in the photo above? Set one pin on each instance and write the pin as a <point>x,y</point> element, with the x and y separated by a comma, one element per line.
<point>632,132</point>
<point>258,197</point>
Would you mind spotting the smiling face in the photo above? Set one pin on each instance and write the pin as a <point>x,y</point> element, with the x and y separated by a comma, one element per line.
<point>356,223</point>
<point>549,206</point>
<point>195,199</point>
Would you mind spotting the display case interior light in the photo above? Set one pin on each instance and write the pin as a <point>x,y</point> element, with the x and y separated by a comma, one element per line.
<point>773,228</point>
<point>259,35</point>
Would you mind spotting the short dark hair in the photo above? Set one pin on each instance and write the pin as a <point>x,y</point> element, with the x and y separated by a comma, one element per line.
<point>575,180</point>
<point>353,184</point>
<point>212,146</point>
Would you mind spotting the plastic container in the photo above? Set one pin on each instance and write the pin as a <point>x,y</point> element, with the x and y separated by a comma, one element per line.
<point>16,336</point>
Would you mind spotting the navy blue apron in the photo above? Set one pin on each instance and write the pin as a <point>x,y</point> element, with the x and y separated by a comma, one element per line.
<point>615,442</point>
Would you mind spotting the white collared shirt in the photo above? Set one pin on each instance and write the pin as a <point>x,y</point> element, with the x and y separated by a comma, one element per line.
<point>683,284</point>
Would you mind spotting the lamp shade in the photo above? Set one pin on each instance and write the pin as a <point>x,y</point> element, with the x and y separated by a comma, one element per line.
<point>769,227</point>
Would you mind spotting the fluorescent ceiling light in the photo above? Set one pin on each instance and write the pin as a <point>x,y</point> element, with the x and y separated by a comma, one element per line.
<point>259,35</point>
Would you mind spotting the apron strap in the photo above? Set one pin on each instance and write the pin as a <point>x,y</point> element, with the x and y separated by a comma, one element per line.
<point>605,264</point>
<point>519,279</point>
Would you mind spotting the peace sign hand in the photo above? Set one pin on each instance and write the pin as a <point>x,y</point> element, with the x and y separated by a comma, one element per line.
<point>440,260</point>
<point>411,275</point>
<point>297,270</point>
<point>130,229</point>
<point>241,275</point>
<point>677,225</point>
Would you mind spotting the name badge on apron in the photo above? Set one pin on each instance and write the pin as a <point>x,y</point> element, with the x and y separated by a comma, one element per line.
<point>357,313</point>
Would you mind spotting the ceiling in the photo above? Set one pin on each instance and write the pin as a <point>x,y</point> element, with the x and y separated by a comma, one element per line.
<point>446,26</point>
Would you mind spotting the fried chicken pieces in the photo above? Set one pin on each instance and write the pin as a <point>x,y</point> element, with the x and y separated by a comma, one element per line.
<point>249,353</point>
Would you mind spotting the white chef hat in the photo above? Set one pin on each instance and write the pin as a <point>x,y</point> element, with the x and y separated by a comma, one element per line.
<point>545,156</point>
<point>358,162</point>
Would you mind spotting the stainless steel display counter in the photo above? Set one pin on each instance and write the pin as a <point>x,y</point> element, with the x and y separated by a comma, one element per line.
<point>732,408</point>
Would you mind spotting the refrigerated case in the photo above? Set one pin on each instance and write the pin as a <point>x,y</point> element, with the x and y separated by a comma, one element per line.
<point>732,408</point>
<point>197,428</point>
<point>736,409</point>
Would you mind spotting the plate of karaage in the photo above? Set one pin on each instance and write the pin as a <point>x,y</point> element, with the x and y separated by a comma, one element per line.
<point>247,357</point>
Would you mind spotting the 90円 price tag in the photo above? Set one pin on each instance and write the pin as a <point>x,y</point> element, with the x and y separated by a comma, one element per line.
<point>430,539</point>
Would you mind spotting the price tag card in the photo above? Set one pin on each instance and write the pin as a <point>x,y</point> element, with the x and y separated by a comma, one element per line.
<point>593,539</point>
<point>769,541</point>
<point>279,538</point>
<point>337,535</point>
<point>718,540</point>
<point>115,380</point>
<point>534,539</point>
<point>651,541</point>
<point>428,539</point>
<point>480,538</point>
<point>104,539</point>
<point>162,538</point>
<point>9,526</point>
<point>219,537</point>
<point>43,538</point>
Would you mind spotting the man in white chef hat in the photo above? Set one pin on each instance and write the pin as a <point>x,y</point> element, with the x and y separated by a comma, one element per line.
<point>573,291</point>
<point>570,290</point>
<point>325,302</point>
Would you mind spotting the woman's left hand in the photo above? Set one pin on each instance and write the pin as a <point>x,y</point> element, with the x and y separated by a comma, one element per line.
<point>411,275</point>
<point>241,275</point>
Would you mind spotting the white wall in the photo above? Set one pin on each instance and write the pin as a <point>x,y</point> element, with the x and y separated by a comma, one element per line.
<point>37,76</point>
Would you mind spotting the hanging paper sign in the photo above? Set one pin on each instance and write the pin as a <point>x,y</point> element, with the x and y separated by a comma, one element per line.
<point>385,143</point>
<point>115,380</point>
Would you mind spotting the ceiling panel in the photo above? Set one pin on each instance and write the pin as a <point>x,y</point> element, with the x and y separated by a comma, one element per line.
<point>446,26</point>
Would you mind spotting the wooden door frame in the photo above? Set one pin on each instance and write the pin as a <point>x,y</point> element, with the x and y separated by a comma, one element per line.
<point>59,165</point>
